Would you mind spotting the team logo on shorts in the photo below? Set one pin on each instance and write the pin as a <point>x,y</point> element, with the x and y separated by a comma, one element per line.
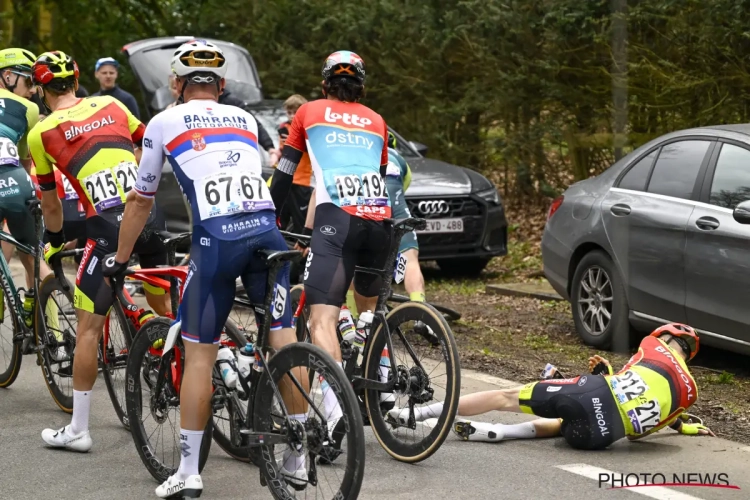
<point>582,382</point>
<point>328,230</point>
<point>102,242</point>
<point>199,144</point>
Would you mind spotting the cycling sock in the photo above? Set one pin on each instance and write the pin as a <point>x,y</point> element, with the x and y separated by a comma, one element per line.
<point>330,402</point>
<point>190,448</point>
<point>295,459</point>
<point>352,304</point>
<point>430,411</point>
<point>417,296</point>
<point>81,408</point>
<point>525,430</point>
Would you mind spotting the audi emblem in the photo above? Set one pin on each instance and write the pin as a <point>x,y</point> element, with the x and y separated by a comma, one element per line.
<point>434,207</point>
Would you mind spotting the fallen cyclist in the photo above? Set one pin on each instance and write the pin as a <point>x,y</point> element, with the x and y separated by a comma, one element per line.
<point>653,390</point>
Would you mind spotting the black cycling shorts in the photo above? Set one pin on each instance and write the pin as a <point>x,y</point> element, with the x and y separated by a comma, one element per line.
<point>339,243</point>
<point>590,416</point>
<point>16,190</point>
<point>294,212</point>
<point>92,292</point>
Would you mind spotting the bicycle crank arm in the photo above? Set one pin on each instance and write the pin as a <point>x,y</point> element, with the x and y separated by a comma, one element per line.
<point>263,438</point>
<point>359,383</point>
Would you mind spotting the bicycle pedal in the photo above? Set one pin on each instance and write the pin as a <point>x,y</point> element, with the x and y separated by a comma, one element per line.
<point>464,430</point>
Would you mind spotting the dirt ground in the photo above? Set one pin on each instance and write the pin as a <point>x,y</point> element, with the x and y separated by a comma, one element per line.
<point>514,338</point>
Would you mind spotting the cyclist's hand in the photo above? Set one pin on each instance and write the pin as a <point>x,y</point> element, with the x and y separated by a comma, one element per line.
<point>50,251</point>
<point>110,267</point>
<point>304,249</point>
<point>696,430</point>
<point>595,360</point>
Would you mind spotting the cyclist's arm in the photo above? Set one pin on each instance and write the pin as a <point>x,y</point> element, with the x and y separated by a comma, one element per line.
<point>384,154</point>
<point>51,204</point>
<point>310,220</point>
<point>32,118</point>
<point>136,128</point>
<point>295,146</point>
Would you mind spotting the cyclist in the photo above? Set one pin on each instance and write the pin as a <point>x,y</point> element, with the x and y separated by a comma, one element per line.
<point>347,144</point>
<point>652,390</point>
<point>213,150</point>
<point>91,141</point>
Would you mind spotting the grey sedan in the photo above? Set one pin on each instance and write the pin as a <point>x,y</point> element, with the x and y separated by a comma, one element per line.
<point>659,237</point>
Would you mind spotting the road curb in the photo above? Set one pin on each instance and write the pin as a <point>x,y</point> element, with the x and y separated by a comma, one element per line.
<point>528,290</point>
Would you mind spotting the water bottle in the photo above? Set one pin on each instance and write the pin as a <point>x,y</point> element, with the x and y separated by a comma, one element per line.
<point>363,330</point>
<point>550,372</point>
<point>227,367</point>
<point>245,360</point>
<point>346,324</point>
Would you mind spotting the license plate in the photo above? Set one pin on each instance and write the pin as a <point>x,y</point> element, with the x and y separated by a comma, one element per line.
<point>444,226</point>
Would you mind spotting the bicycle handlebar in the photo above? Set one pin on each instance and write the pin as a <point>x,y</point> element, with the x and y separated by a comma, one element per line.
<point>56,265</point>
<point>118,284</point>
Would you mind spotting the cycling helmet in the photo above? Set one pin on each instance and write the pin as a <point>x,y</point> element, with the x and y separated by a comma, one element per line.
<point>56,70</point>
<point>685,336</point>
<point>201,58</point>
<point>344,63</point>
<point>20,59</point>
<point>391,140</point>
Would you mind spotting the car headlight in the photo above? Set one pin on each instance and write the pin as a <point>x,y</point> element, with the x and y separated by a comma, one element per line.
<point>490,196</point>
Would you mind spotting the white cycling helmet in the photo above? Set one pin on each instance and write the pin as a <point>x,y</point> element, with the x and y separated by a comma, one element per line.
<point>199,56</point>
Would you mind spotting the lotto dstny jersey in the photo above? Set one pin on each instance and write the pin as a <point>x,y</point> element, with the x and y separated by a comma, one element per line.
<point>91,143</point>
<point>653,388</point>
<point>397,179</point>
<point>213,151</point>
<point>17,117</point>
<point>347,145</point>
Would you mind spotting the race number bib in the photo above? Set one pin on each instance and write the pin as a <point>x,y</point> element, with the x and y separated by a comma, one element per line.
<point>393,170</point>
<point>279,302</point>
<point>400,271</point>
<point>70,192</point>
<point>367,189</point>
<point>645,416</point>
<point>233,190</point>
<point>8,152</point>
<point>628,386</point>
<point>107,188</point>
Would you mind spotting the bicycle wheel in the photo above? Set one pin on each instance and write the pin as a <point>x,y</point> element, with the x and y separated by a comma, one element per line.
<point>229,411</point>
<point>10,349</point>
<point>159,448</point>
<point>114,358</point>
<point>309,431</point>
<point>57,344</point>
<point>450,314</point>
<point>427,372</point>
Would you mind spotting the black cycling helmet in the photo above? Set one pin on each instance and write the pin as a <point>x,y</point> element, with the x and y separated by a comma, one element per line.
<point>344,63</point>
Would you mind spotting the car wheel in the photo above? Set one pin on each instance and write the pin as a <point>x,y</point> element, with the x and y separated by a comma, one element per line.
<point>599,303</point>
<point>470,267</point>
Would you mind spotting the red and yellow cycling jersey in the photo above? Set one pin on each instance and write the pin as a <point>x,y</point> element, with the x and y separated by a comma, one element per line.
<point>65,189</point>
<point>91,143</point>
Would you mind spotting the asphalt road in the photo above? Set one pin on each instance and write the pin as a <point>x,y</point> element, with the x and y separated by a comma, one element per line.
<point>541,469</point>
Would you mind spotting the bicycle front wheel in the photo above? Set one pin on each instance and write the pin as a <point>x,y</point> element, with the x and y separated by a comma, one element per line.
<point>114,358</point>
<point>427,372</point>
<point>10,347</point>
<point>333,416</point>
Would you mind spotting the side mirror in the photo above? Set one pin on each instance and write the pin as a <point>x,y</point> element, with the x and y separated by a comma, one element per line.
<point>421,148</point>
<point>742,212</point>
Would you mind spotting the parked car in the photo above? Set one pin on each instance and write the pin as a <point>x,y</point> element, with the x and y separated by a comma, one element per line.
<point>657,238</point>
<point>466,217</point>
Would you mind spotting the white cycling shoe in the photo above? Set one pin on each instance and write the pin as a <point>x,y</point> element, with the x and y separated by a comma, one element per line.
<point>173,487</point>
<point>401,415</point>
<point>296,479</point>
<point>62,438</point>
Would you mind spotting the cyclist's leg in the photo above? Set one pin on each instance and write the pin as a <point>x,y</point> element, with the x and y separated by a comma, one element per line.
<point>152,253</point>
<point>7,247</point>
<point>373,251</point>
<point>413,281</point>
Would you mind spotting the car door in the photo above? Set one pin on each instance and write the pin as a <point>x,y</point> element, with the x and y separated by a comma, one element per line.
<point>718,249</point>
<point>645,217</point>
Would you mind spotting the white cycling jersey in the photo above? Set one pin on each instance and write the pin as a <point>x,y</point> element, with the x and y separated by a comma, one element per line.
<point>213,150</point>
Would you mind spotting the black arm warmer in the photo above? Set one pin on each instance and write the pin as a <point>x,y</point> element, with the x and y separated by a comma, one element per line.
<point>281,183</point>
<point>383,170</point>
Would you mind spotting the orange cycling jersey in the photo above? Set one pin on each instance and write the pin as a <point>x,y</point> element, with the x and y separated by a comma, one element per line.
<point>91,143</point>
<point>303,174</point>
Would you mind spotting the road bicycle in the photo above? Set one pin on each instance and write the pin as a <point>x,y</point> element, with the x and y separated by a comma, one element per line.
<point>54,348</point>
<point>260,426</point>
<point>412,380</point>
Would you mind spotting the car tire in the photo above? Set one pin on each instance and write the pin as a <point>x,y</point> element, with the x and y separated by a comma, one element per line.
<point>468,267</point>
<point>597,283</point>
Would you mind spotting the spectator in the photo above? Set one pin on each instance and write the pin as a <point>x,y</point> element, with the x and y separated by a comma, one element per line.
<point>295,209</point>
<point>106,72</point>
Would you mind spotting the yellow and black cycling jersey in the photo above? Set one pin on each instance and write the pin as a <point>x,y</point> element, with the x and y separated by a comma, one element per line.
<point>17,117</point>
<point>92,143</point>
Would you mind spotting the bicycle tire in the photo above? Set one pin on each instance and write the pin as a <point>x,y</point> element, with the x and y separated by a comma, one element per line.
<point>238,452</point>
<point>49,285</point>
<point>450,314</point>
<point>153,330</point>
<point>116,393</point>
<point>413,311</point>
<point>14,366</point>
<point>314,358</point>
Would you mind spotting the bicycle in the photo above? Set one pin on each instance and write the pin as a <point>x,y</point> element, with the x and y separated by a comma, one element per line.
<point>260,424</point>
<point>414,383</point>
<point>54,349</point>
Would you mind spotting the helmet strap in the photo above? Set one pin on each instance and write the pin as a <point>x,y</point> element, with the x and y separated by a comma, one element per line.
<point>10,87</point>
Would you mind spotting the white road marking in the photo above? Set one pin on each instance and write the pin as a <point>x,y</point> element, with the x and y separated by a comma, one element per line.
<point>658,492</point>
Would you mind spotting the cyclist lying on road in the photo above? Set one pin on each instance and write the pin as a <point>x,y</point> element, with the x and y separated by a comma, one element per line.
<point>591,412</point>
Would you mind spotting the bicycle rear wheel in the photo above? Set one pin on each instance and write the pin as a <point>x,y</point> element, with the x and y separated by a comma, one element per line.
<point>114,358</point>
<point>309,431</point>
<point>450,314</point>
<point>427,372</point>
<point>151,413</point>
<point>57,344</point>
<point>10,348</point>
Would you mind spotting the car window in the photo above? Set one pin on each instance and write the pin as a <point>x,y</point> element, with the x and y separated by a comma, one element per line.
<point>403,147</point>
<point>637,176</point>
<point>677,168</point>
<point>731,184</point>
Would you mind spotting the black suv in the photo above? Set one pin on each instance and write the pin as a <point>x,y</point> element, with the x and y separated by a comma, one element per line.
<point>466,218</point>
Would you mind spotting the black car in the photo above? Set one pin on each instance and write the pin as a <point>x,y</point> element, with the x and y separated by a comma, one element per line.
<point>466,218</point>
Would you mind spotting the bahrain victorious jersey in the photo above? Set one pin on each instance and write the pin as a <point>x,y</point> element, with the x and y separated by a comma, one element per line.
<point>653,388</point>
<point>213,151</point>
<point>91,143</point>
<point>347,145</point>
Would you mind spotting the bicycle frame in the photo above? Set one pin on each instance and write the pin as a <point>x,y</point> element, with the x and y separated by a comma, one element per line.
<point>6,275</point>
